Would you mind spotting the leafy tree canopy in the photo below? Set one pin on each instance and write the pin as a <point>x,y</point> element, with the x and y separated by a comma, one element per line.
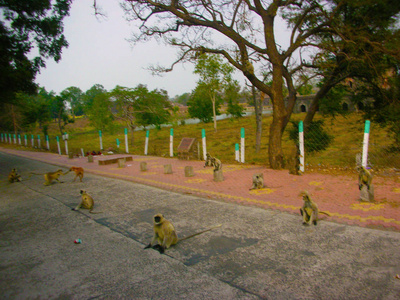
<point>25,26</point>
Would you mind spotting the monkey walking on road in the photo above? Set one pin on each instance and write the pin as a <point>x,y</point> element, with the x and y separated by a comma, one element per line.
<point>165,234</point>
<point>50,176</point>
<point>78,172</point>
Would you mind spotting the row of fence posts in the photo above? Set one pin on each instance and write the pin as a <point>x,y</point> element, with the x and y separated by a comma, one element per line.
<point>364,161</point>
<point>239,150</point>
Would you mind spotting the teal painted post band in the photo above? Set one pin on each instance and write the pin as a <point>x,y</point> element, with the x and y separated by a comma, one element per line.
<point>126,130</point>
<point>118,142</point>
<point>203,133</point>
<point>171,132</point>
<point>47,137</point>
<point>301,129</point>
<point>242,133</point>
<point>367,126</point>
<point>147,133</point>
<point>100,133</point>
<point>38,137</point>
<point>236,147</point>
<point>58,139</point>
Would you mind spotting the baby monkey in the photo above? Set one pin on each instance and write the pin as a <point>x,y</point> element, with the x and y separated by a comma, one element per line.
<point>14,176</point>
<point>86,202</point>
<point>310,210</point>
<point>165,234</point>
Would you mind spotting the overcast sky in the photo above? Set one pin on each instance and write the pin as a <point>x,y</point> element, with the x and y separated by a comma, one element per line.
<point>99,53</point>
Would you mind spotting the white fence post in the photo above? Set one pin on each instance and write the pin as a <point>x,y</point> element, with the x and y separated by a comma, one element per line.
<point>126,140</point>
<point>146,143</point>
<point>242,145</point>
<point>204,144</point>
<point>365,144</point>
<point>171,143</point>
<point>237,152</point>
<point>58,145</point>
<point>301,146</point>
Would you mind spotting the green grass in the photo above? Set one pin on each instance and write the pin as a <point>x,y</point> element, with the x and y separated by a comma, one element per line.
<point>347,132</point>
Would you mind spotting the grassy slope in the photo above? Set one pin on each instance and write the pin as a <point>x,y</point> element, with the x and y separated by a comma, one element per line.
<point>347,131</point>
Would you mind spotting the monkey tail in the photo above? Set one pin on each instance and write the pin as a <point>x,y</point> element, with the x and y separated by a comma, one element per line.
<point>209,229</point>
<point>325,213</point>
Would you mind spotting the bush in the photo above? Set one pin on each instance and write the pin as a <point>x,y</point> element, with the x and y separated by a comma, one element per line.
<point>316,139</point>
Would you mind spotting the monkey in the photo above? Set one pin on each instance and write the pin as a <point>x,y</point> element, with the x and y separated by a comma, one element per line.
<point>50,176</point>
<point>213,162</point>
<point>310,210</point>
<point>208,160</point>
<point>78,172</point>
<point>364,177</point>
<point>14,176</point>
<point>258,181</point>
<point>165,234</point>
<point>86,202</point>
<point>217,164</point>
<point>364,184</point>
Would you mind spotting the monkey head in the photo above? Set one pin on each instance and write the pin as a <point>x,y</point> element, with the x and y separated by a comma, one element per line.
<point>304,194</point>
<point>158,219</point>
<point>82,192</point>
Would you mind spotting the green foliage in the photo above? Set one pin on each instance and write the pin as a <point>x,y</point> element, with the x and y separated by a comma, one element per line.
<point>215,81</point>
<point>141,107</point>
<point>90,94</point>
<point>306,89</point>
<point>316,139</point>
<point>25,25</point>
<point>182,99</point>
<point>99,113</point>
<point>383,104</point>
<point>153,108</point>
<point>200,104</point>
<point>331,104</point>
<point>232,95</point>
<point>73,95</point>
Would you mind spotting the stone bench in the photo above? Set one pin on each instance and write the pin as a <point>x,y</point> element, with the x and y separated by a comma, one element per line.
<point>113,160</point>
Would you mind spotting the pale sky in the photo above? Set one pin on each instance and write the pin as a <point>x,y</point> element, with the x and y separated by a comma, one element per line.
<point>99,53</point>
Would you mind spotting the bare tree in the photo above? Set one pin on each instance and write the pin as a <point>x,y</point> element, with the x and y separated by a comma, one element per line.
<point>243,32</point>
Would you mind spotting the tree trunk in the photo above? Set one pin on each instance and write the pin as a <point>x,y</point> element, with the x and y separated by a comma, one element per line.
<point>258,106</point>
<point>314,104</point>
<point>214,112</point>
<point>14,119</point>
<point>275,153</point>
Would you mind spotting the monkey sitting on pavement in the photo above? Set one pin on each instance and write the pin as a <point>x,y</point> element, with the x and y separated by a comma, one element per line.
<point>50,176</point>
<point>165,234</point>
<point>213,162</point>
<point>14,176</point>
<point>365,184</point>
<point>86,202</point>
<point>258,181</point>
<point>310,210</point>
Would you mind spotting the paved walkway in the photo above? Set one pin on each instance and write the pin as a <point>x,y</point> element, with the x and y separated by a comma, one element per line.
<point>336,194</point>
